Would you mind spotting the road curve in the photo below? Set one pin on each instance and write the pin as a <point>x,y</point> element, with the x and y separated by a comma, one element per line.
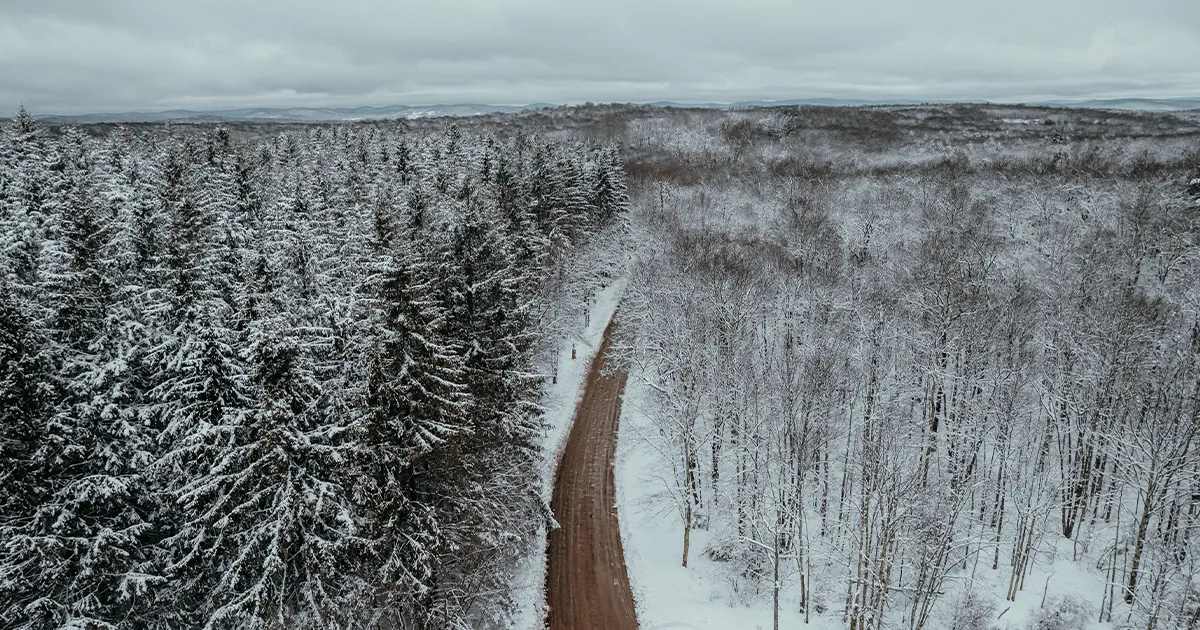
<point>587,584</point>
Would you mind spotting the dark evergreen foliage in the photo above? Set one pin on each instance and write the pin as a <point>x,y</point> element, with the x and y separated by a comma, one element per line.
<point>285,383</point>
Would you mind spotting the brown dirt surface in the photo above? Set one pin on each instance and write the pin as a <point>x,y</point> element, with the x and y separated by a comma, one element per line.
<point>587,584</point>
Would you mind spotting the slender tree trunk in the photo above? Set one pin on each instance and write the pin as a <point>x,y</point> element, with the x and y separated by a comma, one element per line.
<point>885,568</point>
<point>775,586</point>
<point>801,556</point>
<point>1027,555</point>
<point>1140,541</point>
<point>805,587</point>
<point>1112,576</point>
<point>845,485</point>
<point>718,438</point>
<point>998,519</point>
<point>687,532</point>
<point>1016,561</point>
<point>852,594</point>
<point>824,486</point>
<point>1098,485</point>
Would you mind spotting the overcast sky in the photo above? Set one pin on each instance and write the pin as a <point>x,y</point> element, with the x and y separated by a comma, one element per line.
<point>74,56</point>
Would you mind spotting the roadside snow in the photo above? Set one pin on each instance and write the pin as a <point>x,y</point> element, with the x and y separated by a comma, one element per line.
<point>560,401</point>
<point>668,595</point>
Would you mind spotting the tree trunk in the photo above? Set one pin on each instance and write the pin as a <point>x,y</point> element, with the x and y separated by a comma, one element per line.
<point>800,556</point>
<point>1140,544</point>
<point>687,531</point>
<point>1027,555</point>
<point>1016,561</point>
<point>998,519</point>
<point>824,487</point>
<point>718,437</point>
<point>775,586</point>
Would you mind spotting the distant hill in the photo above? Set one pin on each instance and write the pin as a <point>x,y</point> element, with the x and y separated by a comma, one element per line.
<point>294,114</point>
<point>828,102</point>
<point>391,112</point>
<point>1144,104</point>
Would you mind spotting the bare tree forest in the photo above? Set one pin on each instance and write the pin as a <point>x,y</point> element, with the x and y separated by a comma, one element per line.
<point>898,358</point>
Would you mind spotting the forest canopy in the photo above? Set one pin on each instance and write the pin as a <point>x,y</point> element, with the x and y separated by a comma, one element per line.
<point>282,381</point>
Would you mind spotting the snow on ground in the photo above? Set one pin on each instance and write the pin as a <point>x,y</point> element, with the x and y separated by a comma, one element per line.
<point>701,597</point>
<point>1053,575</point>
<point>560,401</point>
<point>668,595</point>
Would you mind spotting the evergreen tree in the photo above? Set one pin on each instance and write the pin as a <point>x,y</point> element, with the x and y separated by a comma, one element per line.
<point>489,508</point>
<point>416,407</point>
<point>610,194</point>
<point>573,215</point>
<point>83,557</point>
<point>25,394</point>
<point>271,525</point>
<point>526,243</point>
<point>27,207</point>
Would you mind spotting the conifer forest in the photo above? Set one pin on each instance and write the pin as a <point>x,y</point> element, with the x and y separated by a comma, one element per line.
<point>280,382</point>
<point>913,367</point>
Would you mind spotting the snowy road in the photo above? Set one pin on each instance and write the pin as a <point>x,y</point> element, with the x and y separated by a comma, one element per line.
<point>588,586</point>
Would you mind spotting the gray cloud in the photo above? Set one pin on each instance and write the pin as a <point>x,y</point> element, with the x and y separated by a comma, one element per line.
<point>71,56</point>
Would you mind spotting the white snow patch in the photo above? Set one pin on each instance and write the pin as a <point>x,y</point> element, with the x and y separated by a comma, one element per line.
<point>1053,574</point>
<point>668,595</point>
<point>701,596</point>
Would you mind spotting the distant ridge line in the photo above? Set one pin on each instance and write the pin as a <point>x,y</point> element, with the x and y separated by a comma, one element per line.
<point>403,112</point>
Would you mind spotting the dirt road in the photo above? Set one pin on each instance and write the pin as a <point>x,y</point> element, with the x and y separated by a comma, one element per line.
<point>588,587</point>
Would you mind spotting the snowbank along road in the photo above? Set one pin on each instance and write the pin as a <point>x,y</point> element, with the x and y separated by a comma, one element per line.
<point>588,586</point>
